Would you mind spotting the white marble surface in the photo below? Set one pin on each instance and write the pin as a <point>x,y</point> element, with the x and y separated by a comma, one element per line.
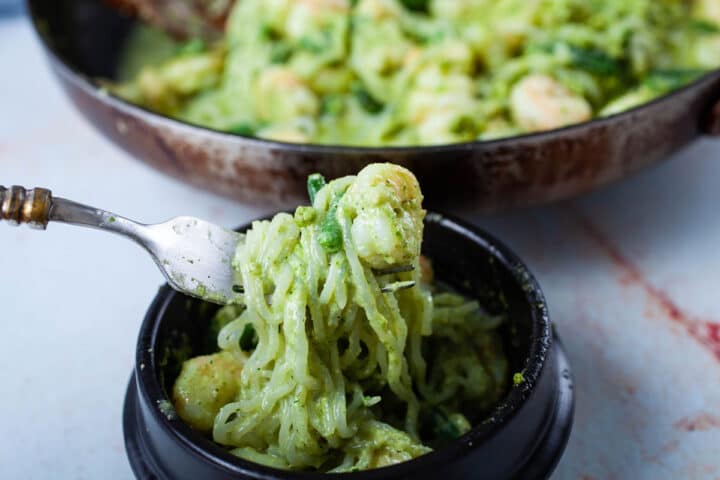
<point>632,276</point>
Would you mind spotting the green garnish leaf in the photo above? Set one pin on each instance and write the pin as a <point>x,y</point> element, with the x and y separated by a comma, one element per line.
<point>311,45</point>
<point>248,338</point>
<point>280,53</point>
<point>367,102</point>
<point>315,183</point>
<point>671,79</point>
<point>245,129</point>
<point>465,126</point>
<point>594,61</point>
<point>704,26</point>
<point>332,105</point>
<point>518,379</point>
<point>192,47</point>
<point>330,236</point>
<point>443,429</point>
<point>268,33</point>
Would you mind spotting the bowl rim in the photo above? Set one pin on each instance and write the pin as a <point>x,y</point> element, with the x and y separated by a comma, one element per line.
<point>93,88</point>
<point>541,342</point>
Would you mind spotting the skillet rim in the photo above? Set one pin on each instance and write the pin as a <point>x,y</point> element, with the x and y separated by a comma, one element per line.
<point>96,90</point>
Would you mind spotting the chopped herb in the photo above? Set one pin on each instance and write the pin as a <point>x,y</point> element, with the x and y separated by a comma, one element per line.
<point>317,44</point>
<point>245,129</point>
<point>704,26</point>
<point>311,45</point>
<point>332,105</point>
<point>315,183</point>
<point>369,401</point>
<point>367,102</point>
<point>280,53</point>
<point>666,80</point>
<point>330,236</point>
<point>268,33</point>
<point>192,47</point>
<point>442,427</point>
<point>416,5</point>
<point>111,220</point>
<point>595,61</point>
<point>248,338</point>
<point>518,379</point>
<point>465,126</point>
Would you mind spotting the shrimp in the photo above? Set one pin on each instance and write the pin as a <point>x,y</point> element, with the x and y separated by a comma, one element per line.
<point>378,445</point>
<point>707,51</point>
<point>459,10</point>
<point>205,385</point>
<point>379,9</point>
<point>708,9</point>
<point>707,48</point>
<point>283,95</point>
<point>305,16</point>
<point>385,203</point>
<point>164,88</point>
<point>298,131</point>
<point>539,102</point>
<point>440,105</point>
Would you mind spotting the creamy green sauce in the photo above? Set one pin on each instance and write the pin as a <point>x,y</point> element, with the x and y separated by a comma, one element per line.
<point>411,72</point>
<point>325,363</point>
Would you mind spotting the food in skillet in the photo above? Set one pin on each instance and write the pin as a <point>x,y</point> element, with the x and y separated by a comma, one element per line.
<point>425,72</point>
<point>326,363</point>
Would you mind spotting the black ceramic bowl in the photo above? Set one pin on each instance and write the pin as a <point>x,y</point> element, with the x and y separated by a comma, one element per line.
<point>523,438</point>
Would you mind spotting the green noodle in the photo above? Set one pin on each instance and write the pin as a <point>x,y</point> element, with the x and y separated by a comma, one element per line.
<point>425,72</point>
<point>342,376</point>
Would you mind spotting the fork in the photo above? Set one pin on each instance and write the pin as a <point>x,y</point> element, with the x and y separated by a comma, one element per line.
<point>194,255</point>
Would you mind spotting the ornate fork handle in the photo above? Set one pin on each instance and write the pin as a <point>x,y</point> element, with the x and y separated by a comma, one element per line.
<point>18,205</point>
<point>37,207</point>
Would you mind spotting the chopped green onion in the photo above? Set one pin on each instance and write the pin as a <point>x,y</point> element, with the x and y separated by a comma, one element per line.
<point>332,105</point>
<point>280,53</point>
<point>330,236</point>
<point>315,183</point>
<point>367,102</point>
<point>594,61</point>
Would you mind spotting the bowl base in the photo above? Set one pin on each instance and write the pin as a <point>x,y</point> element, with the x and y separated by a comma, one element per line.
<point>543,461</point>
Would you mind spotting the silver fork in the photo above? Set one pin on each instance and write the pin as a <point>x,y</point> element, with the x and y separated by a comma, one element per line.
<point>194,255</point>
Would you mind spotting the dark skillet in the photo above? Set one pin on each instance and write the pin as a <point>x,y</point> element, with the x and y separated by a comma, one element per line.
<point>83,40</point>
